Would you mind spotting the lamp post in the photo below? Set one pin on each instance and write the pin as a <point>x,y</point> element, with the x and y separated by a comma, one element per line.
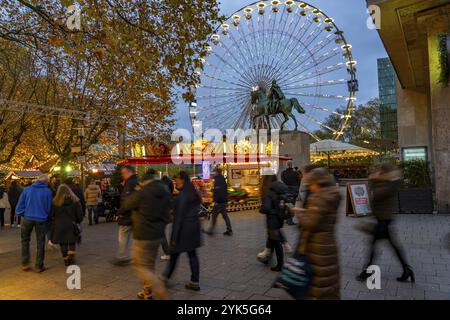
<point>82,159</point>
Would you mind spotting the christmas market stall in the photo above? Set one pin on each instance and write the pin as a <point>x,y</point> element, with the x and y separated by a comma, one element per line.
<point>345,160</point>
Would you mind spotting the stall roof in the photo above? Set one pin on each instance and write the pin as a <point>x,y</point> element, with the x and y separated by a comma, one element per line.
<point>329,146</point>
<point>23,174</point>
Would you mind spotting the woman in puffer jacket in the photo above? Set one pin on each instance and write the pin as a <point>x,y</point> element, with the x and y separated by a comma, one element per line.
<point>318,240</point>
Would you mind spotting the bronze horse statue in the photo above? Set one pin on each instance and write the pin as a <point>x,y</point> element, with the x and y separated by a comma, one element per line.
<point>283,106</point>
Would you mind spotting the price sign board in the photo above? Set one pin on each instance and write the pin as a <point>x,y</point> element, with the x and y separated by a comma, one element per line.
<point>358,201</point>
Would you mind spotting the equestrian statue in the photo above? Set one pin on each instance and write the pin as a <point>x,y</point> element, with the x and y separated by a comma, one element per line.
<point>274,103</point>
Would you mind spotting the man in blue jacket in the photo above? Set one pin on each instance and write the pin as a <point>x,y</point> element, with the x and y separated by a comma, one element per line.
<point>34,207</point>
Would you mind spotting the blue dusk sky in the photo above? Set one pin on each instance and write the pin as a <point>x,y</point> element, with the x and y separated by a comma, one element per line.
<point>351,17</point>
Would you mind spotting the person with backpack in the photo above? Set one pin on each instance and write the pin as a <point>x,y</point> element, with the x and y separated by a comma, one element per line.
<point>67,214</point>
<point>274,199</point>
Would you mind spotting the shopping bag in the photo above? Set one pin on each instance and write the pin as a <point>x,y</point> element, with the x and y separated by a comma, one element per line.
<point>296,276</point>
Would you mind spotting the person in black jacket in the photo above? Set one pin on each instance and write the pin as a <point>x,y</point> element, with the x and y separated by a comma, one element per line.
<point>76,189</point>
<point>272,192</point>
<point>125,231</point>
<point>14,192</point>
<point>150,206</point>
<point>220,198</point>
<point>164,243</point>
<point>66,214</point>
<point>291,178</point>
<point>186,236</point>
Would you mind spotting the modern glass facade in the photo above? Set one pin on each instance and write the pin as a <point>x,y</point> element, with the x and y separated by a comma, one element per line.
<point>388,102</point>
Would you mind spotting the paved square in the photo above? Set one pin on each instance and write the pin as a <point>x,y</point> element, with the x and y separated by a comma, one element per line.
<point>228,266</point>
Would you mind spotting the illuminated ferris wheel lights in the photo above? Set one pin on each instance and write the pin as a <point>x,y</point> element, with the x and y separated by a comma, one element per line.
<point>316,19</point>
<point>329,20</point>
<point>346,47</point>
<point>303,13</point>
<point>329,28</point>
<point>303,5</point>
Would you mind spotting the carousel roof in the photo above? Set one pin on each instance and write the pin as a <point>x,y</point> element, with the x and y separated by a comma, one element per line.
<point>330,146</point>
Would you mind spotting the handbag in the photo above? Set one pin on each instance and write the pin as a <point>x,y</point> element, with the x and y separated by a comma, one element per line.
<point>77,231</point>
<point>296,276</point>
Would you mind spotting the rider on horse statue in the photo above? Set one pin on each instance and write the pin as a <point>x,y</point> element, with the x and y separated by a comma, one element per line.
<point>275,95</point>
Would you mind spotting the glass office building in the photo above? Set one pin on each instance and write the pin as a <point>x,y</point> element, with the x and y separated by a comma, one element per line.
<point>388,103</point>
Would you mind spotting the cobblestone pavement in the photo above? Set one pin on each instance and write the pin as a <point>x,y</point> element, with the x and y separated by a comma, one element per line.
<point>229,269</point>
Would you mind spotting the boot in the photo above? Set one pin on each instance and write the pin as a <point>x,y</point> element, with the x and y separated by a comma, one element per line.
<point>407,273</point>
<point>192,286</point>
<point>263,254</point>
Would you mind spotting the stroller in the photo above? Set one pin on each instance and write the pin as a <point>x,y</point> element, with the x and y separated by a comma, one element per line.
<point>109,206</point>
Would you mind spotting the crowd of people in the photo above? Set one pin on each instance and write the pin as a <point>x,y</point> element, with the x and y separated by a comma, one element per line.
<point>309,196</point>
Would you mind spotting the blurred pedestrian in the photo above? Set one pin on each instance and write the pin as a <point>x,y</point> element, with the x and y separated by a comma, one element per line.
<point>4,204</point>
<point>75,187</point>
<point>317,241</point>
<point>34,206</point>
<point>66,217</point>
<point>150,207</point>
<point>14,192</point>
<point>291,179</point>
<point>125,222</point>
<point>384,184</point>
<point>273,192</point>
<point>220,198</point>
<point>186,235</point>
<point>93,197</point>
<point>164,243</point>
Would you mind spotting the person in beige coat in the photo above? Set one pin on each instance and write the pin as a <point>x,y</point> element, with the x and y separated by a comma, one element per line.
<point>93,196</point>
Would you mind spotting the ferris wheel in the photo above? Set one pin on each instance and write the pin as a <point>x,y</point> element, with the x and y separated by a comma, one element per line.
<point>291,42</point>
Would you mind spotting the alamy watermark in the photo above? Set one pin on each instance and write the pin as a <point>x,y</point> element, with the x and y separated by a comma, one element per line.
<point>374,281</point>
<point>74,279</point>
<point>73,23</point>
<point>236,146</point>
<point>374,19</point>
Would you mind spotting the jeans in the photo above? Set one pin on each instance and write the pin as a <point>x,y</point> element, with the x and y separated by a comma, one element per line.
<point>92,210</point>
<point>193,261</point>
<point>66,247</point>
<point>125,234</point>
<point>145,253</point>
<point>25,233</point>
<point>220,208</point>
<point>2,217</point>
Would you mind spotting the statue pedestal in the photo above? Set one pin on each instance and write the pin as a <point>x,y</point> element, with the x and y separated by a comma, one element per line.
<point>295,144</point>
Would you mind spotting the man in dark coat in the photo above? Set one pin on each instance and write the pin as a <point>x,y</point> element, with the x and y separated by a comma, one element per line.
<point>125,231</point>
<point>292,180</point>
<point>150,206</point>
<point>76,189</point>
<point>220,198</point>
<point>15,190</point>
